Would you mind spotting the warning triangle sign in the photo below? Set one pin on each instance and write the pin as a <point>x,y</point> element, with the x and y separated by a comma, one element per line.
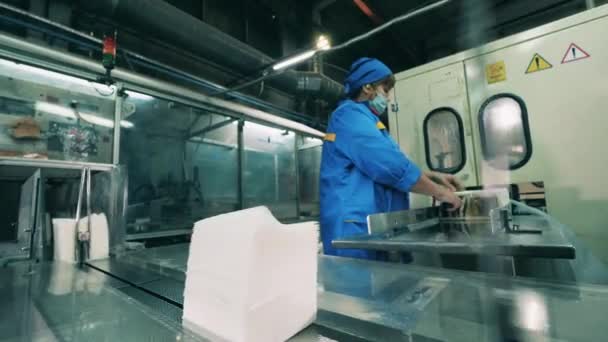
<point>538,63</point>
<point>574,53</point>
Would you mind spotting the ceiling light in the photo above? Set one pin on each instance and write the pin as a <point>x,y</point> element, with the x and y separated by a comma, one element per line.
<point>294,60</point>
<point>323,43</point>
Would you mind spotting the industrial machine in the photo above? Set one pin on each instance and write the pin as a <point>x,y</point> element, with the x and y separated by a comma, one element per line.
<point>483,235</point>
<point>523,109</point>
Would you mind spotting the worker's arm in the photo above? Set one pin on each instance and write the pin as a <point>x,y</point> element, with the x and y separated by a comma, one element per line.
<point>447,180</point>
<point>358,138</point>
<point>426,186</point>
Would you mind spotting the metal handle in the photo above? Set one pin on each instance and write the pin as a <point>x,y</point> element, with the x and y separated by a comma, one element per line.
<point>89,200</point>
<point>83,190</point>
<point>80,191</point>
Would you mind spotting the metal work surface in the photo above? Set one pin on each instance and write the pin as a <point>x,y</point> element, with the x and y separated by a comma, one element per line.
<point>157,234</point>
<point>470,238</point>
<point>64,302</point>
<point>60,302</point>
<point>358,300</point>
<point>132,274</point>
<point>383,301</point>
<point>168,260</point>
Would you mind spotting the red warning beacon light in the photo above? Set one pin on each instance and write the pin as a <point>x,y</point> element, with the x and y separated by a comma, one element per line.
<point>109,52</point>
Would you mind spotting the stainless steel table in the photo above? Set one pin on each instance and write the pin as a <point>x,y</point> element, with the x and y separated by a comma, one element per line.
<point>372,301</point>
<point>60,302</point>
<point>358,301</point>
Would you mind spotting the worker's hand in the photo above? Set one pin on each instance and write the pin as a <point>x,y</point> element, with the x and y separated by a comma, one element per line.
<point>446,180</point>
<point>449,197</point>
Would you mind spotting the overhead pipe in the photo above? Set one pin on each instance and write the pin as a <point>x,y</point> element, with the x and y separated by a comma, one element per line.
<point>172,24</point>
<point>135,58</point>
<point>9,43</point>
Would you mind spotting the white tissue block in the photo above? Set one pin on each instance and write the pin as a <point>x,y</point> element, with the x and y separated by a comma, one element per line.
<point>99,245</point>
<point>64,240</point>
<point>251,278</point>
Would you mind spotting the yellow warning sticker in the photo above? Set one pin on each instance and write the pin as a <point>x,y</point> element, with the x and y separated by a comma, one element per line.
<point>538,63</point>
<point>496,72</point>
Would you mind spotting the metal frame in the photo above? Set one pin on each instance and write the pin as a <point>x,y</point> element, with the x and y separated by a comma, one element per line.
<point>211,127</point>
<point>241,165</point>
<point>118,101</point>
<point>55,164</point>
<point>209,108</point>
<point>297,169</point>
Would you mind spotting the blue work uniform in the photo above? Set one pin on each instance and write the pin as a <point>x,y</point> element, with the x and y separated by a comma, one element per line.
<point>363,172</point>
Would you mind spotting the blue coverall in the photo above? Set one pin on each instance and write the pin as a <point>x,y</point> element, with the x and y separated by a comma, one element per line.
<point>363,172</point>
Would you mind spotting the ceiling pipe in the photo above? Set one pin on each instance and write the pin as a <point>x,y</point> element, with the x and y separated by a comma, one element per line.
<point>64,33</point>
<point>13,46</point>
<point>173,25</point>
<point>316,11</point>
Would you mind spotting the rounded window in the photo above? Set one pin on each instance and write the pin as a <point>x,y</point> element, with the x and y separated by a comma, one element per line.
<point>444,140</point>
<point>505,133</point>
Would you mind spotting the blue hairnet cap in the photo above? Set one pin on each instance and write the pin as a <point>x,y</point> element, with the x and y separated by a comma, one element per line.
<point>365,71</point>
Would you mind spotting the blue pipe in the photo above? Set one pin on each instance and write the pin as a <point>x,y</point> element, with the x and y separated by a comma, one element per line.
<point>213,87</point>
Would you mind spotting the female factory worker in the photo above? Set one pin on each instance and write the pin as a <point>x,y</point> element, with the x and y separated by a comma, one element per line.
<point>363,171</point>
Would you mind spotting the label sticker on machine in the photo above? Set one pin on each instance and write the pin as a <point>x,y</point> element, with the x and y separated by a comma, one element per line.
<point>496,72</point>
<point>574,53</point>
<point>538,63</point>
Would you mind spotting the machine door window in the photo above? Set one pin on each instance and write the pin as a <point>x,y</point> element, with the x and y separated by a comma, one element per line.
<point>505,134</point>
<point>444,140</point>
